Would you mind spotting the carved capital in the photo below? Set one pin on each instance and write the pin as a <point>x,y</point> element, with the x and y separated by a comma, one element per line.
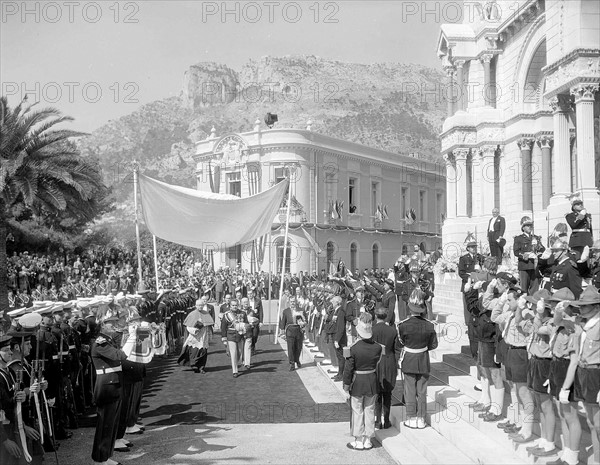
<point>488,151</point>
<point>584,91</point>
<point>461,154</point>
<point>525,143</point>
<point>561,103</point>
<point>450,71</point>
<point>545,142</point>
<point>486,58</point>
<point>459,64</point>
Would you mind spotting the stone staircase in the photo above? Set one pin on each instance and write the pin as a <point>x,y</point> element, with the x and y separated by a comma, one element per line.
<point>457,435</point>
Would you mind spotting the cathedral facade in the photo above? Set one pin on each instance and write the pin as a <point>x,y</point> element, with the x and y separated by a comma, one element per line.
<point>522,132</point>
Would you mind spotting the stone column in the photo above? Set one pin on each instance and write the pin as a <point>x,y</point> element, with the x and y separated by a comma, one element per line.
<point>584,107</point>
<point>488,92</point>
<point>450,186</point>
<point>545,143</point>
<point>460,85</point>
<point>561,105</point>
<point>477,183</point>
<point>460,155</point>
<point>451,98</point>
<point>488,174</point>
<point>525,145</point>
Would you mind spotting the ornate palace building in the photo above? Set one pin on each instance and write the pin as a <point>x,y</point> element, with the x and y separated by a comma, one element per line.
<point>522,132</point>
<point>349,201</point>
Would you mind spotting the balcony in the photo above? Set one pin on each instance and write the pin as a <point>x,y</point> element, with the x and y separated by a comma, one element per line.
<point>355,220</point>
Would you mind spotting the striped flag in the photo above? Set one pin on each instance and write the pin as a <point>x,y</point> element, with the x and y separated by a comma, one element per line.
<point>312,242</point>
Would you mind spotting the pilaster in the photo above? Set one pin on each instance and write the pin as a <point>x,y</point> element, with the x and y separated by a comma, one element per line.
<point>460,155</point>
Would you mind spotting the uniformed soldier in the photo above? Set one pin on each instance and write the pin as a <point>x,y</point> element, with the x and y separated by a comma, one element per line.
<point>387,370</point>
<point>467,263</point>
<point>108,391</point>
<point>580,222</point>
<point>417,337</point>
<point>565,273</point>
<point>234,324</point>
<point>526,248</point>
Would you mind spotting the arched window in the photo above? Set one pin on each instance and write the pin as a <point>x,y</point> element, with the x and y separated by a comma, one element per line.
<point>330,255</point>
<point>375,256</point>
<point>534,82</point>
<point>353,257</point>
<point>404,250</point>
<point>423,247</point>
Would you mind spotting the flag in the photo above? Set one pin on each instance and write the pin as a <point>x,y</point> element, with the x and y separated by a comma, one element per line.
<point>410,216</point>
<point>378,214</point>
<point>207,220</point>
<point>339,206</point>
<point>385,212</point>
<point>333,211</point>
<point>312,242</point>
<point>332,268</point>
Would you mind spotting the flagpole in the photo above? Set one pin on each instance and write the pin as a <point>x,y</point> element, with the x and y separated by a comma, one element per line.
<point>270,274</point>
<point>136,168</point>
<point>155,261</point>
<point>285,240</point>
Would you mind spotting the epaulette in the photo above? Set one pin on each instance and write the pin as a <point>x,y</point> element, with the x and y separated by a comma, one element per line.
<point>406,319</point>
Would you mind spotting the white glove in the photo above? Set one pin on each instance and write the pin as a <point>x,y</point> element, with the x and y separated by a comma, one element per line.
<point>522,302</point>
<point>478,285</point>
<point>540,306</point>
<point>583,212</point>
<point>563,396</point>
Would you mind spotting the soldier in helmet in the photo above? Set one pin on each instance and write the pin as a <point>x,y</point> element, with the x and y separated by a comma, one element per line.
<point>580,222</point>
<point>565,273</point>
<point>526,248</point>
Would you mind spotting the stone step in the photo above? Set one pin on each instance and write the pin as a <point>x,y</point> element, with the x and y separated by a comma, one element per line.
<point>441,300</point>
<point>428,442</point>
<point>399,447</point>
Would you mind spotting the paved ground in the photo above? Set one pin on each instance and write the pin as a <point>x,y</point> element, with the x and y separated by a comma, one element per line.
<point>266,415</point>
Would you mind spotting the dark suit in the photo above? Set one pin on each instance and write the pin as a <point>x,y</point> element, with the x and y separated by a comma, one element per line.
<point>389,302</point>
<point>387,370</point>
<point>416,333</point>
<point>466,265</point>
<point>497,226</point>
<point>258,308</point>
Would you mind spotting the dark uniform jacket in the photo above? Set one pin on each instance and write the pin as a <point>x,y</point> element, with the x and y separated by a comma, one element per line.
<point>466,265</point>
<point>565,274</point>
<point>364,356</point>
<point>340,327</point>
<point>109,372</point>
<point>387,370</point>
<point>389,301</point>
<point>416,333</point>
<point>581,228</point>
<point>524,244</point>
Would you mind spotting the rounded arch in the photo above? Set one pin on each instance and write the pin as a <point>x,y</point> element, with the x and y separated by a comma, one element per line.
<point>354,265</point>
<point>423,247</point>
<point>531,92</point>
<point>404,249</point>
<point>375,250</point>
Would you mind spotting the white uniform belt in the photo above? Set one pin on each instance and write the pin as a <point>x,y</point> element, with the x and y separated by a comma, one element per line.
<point>55,357</point>
<point>72,347</point>
<point>580,230</point>
<point>364,372</point>
<point>104,371</point>
<point>415,351</point>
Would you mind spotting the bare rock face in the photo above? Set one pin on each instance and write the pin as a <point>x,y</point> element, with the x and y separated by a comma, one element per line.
<point>209,84</point>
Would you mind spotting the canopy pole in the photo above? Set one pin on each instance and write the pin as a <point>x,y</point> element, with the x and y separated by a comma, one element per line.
<point>155,261</point>
<point>269,244</point>
<point>136,168</point>
<point>285,240</point>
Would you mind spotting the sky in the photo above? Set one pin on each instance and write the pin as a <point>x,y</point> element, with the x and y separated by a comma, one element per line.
<point>97,61</point>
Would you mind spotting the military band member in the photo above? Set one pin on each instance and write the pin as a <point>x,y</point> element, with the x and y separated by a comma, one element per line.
<point>108,391</point>
<point>360,382</point>
<point>417,337</point>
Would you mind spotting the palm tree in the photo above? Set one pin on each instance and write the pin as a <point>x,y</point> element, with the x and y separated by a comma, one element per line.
<point>41,170</point>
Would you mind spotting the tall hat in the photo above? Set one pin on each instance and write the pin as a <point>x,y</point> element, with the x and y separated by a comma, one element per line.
<point>526,221</point>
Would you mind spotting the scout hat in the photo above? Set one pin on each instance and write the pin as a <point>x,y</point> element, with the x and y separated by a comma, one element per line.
<point>541,294</point>
<point>562,294</point>
<point>590,296</point>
